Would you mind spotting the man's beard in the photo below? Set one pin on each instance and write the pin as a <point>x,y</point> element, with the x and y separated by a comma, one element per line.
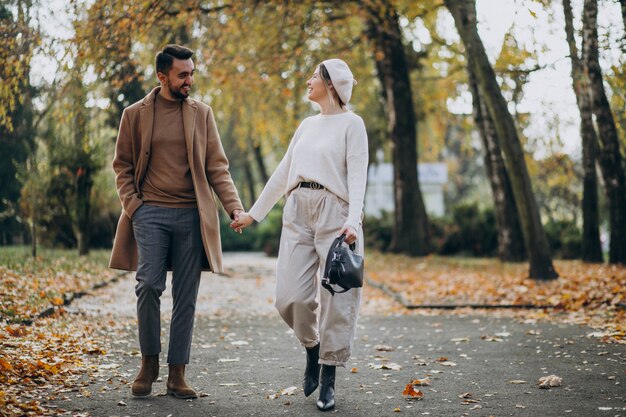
<point>178,94</point>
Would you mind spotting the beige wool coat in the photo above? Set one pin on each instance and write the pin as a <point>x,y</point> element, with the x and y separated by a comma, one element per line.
<point>209,172</point>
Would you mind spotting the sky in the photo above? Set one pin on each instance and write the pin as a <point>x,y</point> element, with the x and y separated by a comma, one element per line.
<point>548,96</point>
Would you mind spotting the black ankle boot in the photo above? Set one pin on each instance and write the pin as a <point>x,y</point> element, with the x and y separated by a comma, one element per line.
<point>312,371</point>
<point>326,400</point>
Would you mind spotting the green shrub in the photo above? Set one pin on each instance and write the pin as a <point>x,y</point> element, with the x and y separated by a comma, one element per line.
<point>232,241</point>
<point>377,231</point>
<point>258,237</point>
<point>564,238</point>
<point>267,233</point>
<point>467,231</point>
<point>470,231</point>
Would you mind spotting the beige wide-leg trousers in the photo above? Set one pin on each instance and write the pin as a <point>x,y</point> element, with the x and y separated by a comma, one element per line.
<point>312,219</point>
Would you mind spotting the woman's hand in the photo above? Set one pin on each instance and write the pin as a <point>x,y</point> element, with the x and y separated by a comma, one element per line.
<point>242,220</point>
<point>350,234</point>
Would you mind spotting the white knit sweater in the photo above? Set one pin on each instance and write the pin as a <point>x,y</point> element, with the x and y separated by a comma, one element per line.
<point>327,149</point>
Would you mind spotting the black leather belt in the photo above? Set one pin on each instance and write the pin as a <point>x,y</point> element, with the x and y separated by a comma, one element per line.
<point>311,185</point>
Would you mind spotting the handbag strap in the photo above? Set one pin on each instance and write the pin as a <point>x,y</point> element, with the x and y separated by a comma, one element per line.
<point>340,240</point>
<point>326,284</point>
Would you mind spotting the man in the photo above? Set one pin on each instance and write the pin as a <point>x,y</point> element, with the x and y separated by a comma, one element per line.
<point>169,162</point>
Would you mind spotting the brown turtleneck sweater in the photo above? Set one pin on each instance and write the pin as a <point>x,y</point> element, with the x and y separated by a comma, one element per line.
<point>168,180</point>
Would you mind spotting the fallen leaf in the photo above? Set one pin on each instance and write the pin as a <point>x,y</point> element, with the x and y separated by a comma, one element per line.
<point>16,331</point>
<point>58,301</point>
<point>547,382</point>
<point>384,348</point>
<point>491,338</point>
<point>386,365</point>
<point>460,339</point>
<point>411,392</point>
<point>288,391</point>
<point>423,382</point>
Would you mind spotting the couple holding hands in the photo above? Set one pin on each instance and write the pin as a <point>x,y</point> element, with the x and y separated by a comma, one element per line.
<point>169,162</point>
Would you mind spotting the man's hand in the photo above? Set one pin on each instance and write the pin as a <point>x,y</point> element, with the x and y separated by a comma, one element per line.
<point>241,221</point>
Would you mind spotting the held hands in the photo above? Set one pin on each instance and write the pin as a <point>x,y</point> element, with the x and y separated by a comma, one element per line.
<point>241,220</point>
<point>350,234</point>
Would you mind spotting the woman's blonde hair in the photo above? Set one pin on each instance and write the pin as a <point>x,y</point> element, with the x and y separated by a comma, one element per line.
<point>332,94</point>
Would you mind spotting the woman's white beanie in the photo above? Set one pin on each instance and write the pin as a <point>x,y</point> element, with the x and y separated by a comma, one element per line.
<point>341,77</point>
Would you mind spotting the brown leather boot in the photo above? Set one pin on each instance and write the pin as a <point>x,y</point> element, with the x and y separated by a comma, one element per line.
<point>147,375</point>
<point>176,384</point>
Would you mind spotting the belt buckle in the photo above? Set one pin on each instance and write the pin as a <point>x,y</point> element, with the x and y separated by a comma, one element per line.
<point>316,186</point>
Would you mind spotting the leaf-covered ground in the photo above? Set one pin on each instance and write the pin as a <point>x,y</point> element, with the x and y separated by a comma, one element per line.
<point>592,294</point>
<point>48,361</point>
<point>48,356</point>
<point>31,286</point>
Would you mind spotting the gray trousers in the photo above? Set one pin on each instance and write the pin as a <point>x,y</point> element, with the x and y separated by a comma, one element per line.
<point>312,219</point>
<point>161,233</point>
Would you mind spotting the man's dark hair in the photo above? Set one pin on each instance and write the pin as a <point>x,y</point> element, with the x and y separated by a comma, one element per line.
<point>165,58</point>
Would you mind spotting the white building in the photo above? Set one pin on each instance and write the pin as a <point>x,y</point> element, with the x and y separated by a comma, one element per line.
<point>379,193</point>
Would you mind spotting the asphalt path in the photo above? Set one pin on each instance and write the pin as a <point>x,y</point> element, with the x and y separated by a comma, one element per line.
<point>246,362</point>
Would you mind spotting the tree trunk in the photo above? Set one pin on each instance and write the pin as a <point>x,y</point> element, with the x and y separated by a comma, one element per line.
<point>410,231</point>
<point>33,236</point>
<point>464,13</point>
<point>247,170</point>
<point>591,247</point>
<point>260,162</point>
<point>510,238</point>
<point>83,172</point>
<point>83,186</point>
<point>610,156</point>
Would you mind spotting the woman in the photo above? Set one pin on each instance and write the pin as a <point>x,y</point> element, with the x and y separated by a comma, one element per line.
<point>323,174</point>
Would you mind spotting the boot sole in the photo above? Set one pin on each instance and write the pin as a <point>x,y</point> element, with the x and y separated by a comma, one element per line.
<point>180,396</point>
<point>141,394</point>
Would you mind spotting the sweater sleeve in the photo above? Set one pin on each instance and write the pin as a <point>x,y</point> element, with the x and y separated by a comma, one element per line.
<point>357,158</point>
<point>276,185</point>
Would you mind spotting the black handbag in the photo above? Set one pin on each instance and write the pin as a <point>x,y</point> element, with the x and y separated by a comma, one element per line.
<point>343,267</point>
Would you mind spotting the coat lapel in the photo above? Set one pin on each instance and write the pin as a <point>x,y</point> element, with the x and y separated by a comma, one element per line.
<point>146,118</point>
